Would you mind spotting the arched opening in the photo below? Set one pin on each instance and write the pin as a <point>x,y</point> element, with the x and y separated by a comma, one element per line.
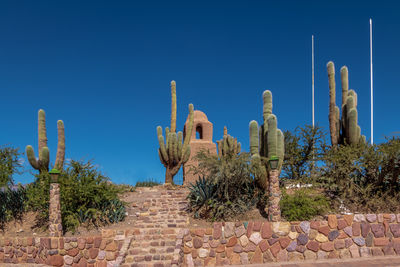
<point>199,132</point>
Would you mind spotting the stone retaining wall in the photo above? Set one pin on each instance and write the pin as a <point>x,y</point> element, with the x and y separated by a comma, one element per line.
<point>65,251</point>
<point>339,236</point>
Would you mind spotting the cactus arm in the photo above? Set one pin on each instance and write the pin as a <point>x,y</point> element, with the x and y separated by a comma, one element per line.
<point>173,106</point>
<point>280,147</point>
<point>162,159</point>
<point>353,126</point>
<point>42,131</point>
<point>186,155</point>
<point>332,103</point>
<point>219,143</point>
<point>239,147</point>
<point>225,131</point>
<point>190,128</point>
<point>161,143</point>
<point>60,146</point>
<point>272,136</point>
<point>337,115</point>
<point>254,138</point>
<point>344,75</point>
<point>267,105</point>
<point>180,140</point>
<point>31,157</point>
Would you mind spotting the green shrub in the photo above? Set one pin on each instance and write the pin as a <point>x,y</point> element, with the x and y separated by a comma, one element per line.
<point>226,188</point>
<point>147,183</point>
<point>9,164</point>
<point>364,178</point>
<point>303,205</point>
<point>87,197</point>
<point>12,203</point>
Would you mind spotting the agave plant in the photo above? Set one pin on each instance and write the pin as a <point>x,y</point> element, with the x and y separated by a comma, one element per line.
<point>201,192</point>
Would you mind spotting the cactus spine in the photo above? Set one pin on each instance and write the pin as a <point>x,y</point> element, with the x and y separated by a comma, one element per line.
<point>42,163</point>
<point>172,152</point>
<point>343,130</point>
<point>267,141</point>
<point>228,146</point>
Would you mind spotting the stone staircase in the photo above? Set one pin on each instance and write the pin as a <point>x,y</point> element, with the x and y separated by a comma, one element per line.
<point>160,217</point>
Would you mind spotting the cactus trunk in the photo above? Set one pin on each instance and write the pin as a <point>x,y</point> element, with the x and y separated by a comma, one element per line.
<point>172,152</point>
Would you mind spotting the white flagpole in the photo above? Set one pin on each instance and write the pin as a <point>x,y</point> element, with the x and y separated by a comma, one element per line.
<point>372,88</point>
<point>312,59</point>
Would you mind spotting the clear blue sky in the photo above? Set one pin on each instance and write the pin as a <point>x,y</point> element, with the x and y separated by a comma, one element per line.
<point>104,67</point>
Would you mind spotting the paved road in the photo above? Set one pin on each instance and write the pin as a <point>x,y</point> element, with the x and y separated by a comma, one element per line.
<point>391,261</point>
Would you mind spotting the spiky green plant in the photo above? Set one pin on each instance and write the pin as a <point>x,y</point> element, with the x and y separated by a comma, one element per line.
<point>42,162</point>
<point>267,141</point>
<point>228,146</point>
<point>344,130</point>
<point>172,152</point>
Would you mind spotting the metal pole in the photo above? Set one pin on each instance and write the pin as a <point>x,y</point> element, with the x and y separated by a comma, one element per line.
<point>372,88</point>
<point>312,59</point>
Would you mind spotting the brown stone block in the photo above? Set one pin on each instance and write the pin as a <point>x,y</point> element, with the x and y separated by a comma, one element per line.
<point>332,221</point>
<point>220,248</point>
<point>284,241</point>
<point>263,245</point>
<point>266,230</point>
<point>313,245</point>
<point>327,246</point>
<point>73,252</point>
<point>377,251</point>
<point>232,241</point>
<point>97,242</point>
<point>275,248</point>
<point>324,229</point>
<point>217,230</point>
<point>349,219</point>
<point>257,257</point>
<point>381,242</point>
<point>55,260</point>
<point>45,242</point>
<point>112,246</point>
<point>314,225</point>
<point>257,226</point>
<point>341,224</point>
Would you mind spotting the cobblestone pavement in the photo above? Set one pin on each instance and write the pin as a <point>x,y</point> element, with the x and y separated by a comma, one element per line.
<point>386,261</point>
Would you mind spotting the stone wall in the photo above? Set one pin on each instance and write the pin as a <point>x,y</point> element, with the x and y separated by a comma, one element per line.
<point>65,251</point>
<point>339,236</point>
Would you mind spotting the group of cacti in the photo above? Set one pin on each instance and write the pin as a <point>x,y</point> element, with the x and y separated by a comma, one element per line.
<point>344,130</point>
<point>42,162</point>
<point>172,152</point>
<point>267,145</point>
<point>267,141</point>
<point>228,146</point>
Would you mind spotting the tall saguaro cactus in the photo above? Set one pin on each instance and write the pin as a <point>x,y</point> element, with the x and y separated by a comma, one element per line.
<point>267,141</point>
<point>228,146</point>
<point>172,152</point>
<point>343,130</point>
<point>42,163</point>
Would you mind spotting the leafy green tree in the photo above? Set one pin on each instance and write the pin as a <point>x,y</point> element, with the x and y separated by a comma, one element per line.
<point>9,164</point>
<point>303,150</point>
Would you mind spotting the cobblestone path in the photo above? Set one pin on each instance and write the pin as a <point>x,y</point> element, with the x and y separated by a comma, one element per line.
<point>159,216</point>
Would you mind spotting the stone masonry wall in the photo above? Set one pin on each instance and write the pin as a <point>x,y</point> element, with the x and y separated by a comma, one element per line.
<point>340,236</point>
<point>64,251</point>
